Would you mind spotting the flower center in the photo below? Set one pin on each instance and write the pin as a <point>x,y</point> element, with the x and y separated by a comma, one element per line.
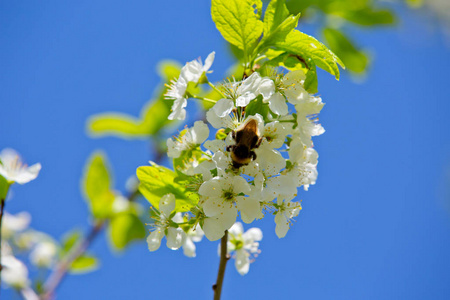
<point>228,195</point>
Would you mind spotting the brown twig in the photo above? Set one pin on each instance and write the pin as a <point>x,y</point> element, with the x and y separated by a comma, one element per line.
<point>224,257</point>
<point>2,207</point>
<point>63,266</point>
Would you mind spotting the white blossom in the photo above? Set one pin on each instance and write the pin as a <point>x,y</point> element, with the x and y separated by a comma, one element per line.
<point>275,134</point>
<point>194,235</point>
<point>205,168</point>
<point>13,224</point>
<point>221,199</point>
<point>193,70</point>
<point>219,115</point>
<point>175,236</point>
<point>255,85</point>
<point>248,89</point>
<point>245,245</point>
<point>44,254</point>
<point>177,92</point>
<point>12,168</point>
<point>293,89</point>
<point>190,139</point>
<point>269,160</point>
<point>286,211</point>
<point>277,102</point>
<point>14,272</point>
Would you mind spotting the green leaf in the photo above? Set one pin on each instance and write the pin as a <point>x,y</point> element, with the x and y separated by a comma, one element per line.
<point>84,264</point>
<point>238,21</point>
<point>355,60</point>
<point>169,69</point>
<point>4,187</point>
<point>97,186</point>
<point>114,124</point>
<point>277,23</point>
<point>257,107</point>
<point>153,116</point>
<point>125,228</point>
<point>276,12</point>
<point>296,6</point>
<point>306,46</point>
<point>69,240</point>
<point>157,181</point>
<point>311,83</point>
<point>368,16</point>
<point>287,60</point>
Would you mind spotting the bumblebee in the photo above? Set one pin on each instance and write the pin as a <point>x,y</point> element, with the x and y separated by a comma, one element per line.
<point>247,138</point>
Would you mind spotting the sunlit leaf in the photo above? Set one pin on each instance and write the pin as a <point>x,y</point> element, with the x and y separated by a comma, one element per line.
<point>157,181</point>
<point>84,264</point>
<point>368,16</point>
<point>355,60</point>
<point>124,228</point>
<point>70,240</point>
<point>238,21</point>
<point>277,23</point>
<point>306,46</point>
<point>97,186</point>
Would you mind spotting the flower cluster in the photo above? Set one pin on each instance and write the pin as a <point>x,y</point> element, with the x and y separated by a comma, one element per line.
<point>260,155</point>
<point>18,237</point>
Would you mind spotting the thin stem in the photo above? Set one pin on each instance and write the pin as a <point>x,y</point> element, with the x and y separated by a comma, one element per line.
<point>224,257</point>
<point>2,207</point>
<point>216,89</point>
<point>63,266</point>
<point>202,98</point>
<point>28,294</point>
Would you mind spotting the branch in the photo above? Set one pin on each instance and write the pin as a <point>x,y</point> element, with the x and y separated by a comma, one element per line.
<point>63,266</point>
<point>28,293</point>
<point>2,207</point>
<point>224,257</point>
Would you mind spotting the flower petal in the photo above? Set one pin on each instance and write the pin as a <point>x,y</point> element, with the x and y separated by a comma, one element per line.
<point>277,104</point>
<point>208,61</point>
<point>167,204</point>
<point>154,239</point>
<point>282,225</point>
<point>189,248</point>
<point>242,262</point>
<point>253,234</point>
<point>266,88</point>
<point>175,238</point>
<point>249,208</point>
<point>213,228</point>
<point>236,229</point>
<point>223,107</point>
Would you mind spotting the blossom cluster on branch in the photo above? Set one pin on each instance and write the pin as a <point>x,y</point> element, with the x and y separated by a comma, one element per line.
<point>247,160</point>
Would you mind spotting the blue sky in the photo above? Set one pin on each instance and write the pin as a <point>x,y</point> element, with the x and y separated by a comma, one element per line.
<point>375,226</point>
